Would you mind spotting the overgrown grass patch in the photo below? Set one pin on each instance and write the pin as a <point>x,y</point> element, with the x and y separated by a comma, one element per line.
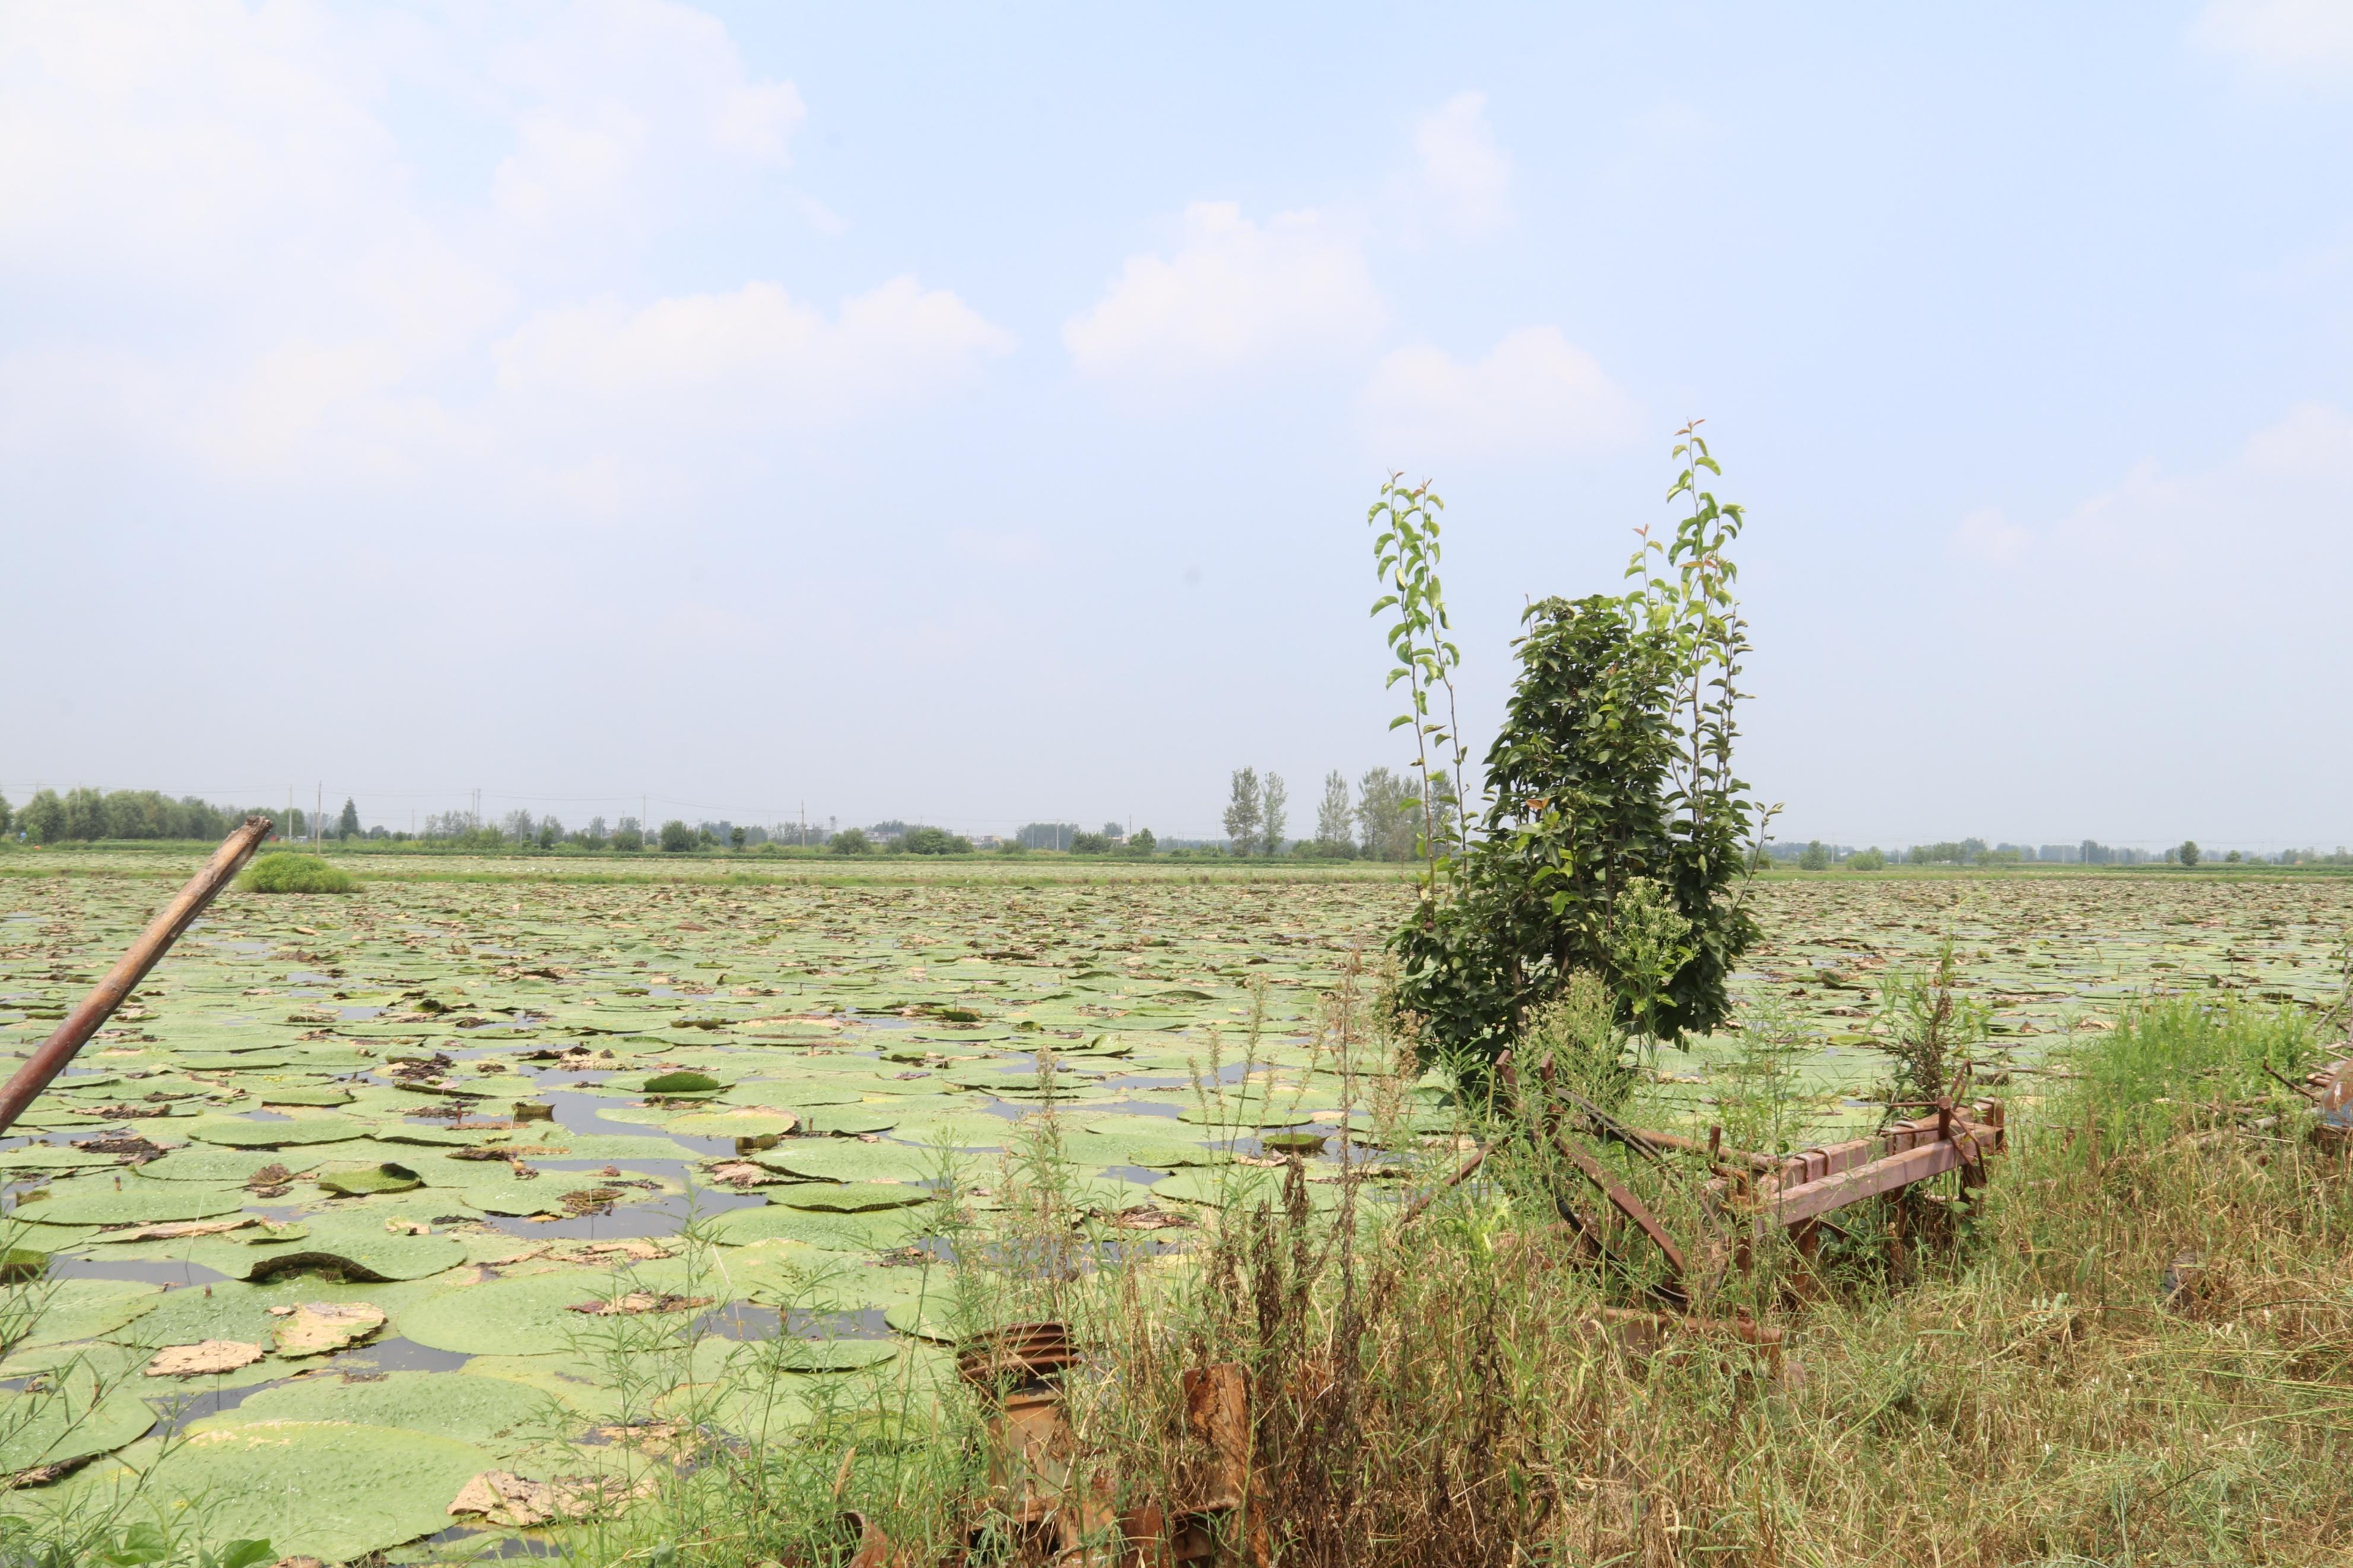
<point>283,871</point>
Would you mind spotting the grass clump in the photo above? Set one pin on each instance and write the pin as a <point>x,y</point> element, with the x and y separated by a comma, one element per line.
<point>283,871</point>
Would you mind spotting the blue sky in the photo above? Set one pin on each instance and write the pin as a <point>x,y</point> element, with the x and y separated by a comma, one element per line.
<point>969,413</point>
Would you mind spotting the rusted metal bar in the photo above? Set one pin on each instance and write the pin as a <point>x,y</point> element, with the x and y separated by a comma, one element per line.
<point>84,1021</point>
<point>1623,1201</point>
<point>1814,1181</point>
<point>1857,1183</point>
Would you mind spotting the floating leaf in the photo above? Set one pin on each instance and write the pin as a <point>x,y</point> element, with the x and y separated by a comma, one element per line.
<point>136,1203</point>
<point>499,1414</point>
<point>66,1422</point>
<point>355,1181</point>
<point>208,1358</point>
<point>320,1490</point>
<point>316,1328</point>
<point>854,1197</point>
<point>239,1133</point>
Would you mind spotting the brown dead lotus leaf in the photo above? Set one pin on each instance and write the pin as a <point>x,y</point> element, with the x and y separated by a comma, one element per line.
<point>315,1327</point>
<point>743,1173</point>
<point>203,1360</point>
<point>637,1249</point>
<point>407,1227</point>
<point>1144,1217</point>
<point>650,1435</point>
<point>298,1562</point>
<point>638,1301</point>
<point>172,1230</point>
<point>588,1200</point>
<point>504,1497</point>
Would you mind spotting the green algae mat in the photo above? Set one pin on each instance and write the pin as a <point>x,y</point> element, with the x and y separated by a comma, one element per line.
<point>389,1180</point>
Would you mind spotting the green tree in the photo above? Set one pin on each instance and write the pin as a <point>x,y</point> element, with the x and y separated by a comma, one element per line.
<point>850,841</point>
<point>1243,812</point>
<point>677,837</point>
<point>43,819</point>
<point>7,814</point>
<point>1142,845</point>
<point>85,815</point>
<point>2233,858</point>
<point>1385,816</point>
<point>1273,807</point>
<point>737,835</point>
<point>2188,852</point>
<point>1870,859</point>
<point>347,825</point>
<point>934,841</point>
<point>629,836</point>
<point>1615,835</point>
<point>1815,858</point>
<point>1335,816</point>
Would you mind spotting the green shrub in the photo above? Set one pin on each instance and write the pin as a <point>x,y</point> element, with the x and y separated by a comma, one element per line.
<point>282,871</point>
<point>1870,859</point>
<point>934,841</point>
<point>677,837</point>
<point>850,841</point>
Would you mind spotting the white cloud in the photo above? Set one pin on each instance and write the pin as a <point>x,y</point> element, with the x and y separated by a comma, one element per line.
<point>2305,40</point>
<point>1985,537</point>
<point>2278,502</point>
<point>247,258</point>
<point>1235,295</point>
<point>1460,169</point>
<point>1535,393</point>
<point>756,352</point>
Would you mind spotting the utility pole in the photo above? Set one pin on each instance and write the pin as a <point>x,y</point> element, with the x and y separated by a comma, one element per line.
<point>318,808</point>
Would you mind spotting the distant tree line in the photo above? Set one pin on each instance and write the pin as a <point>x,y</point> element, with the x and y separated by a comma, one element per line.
<point>1382,822</point>
<point>1816,855</point>
<point>86,815</point>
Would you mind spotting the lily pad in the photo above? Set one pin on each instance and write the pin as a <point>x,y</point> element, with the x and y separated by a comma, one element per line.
<point>732,1124</point>
<point>305,1094</point>
<point>231,1167</point>
<point>359,1181</point>
<point>830,1232</point>
<point>69,1422</point>
<point>832,1160</point>
<point>854,1197</point>
<point>239,1133</point>
<point>138,1202</point>
<point>318,1328</point>
<point>356,1248</point>
<point>499,1414</point>
<point>832,1355</point>
<point>324,1489</point>
<point>526,1314</point>
<point>51,1157</point>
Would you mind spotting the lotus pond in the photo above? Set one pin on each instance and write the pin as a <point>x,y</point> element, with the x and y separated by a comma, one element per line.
<point>363,1197</point>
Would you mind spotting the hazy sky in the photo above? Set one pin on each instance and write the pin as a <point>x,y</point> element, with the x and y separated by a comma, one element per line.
<point>969,411</point>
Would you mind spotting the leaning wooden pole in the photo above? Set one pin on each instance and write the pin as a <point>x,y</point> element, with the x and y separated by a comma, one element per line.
<point>108,993</point>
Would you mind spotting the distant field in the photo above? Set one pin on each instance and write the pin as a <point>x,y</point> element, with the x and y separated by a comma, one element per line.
<point>898,1005</point>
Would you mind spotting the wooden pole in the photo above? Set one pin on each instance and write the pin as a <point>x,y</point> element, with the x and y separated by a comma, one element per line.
<point>108,993</point>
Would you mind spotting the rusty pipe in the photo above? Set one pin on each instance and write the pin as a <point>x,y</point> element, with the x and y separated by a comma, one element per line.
<point>84,1021</point>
